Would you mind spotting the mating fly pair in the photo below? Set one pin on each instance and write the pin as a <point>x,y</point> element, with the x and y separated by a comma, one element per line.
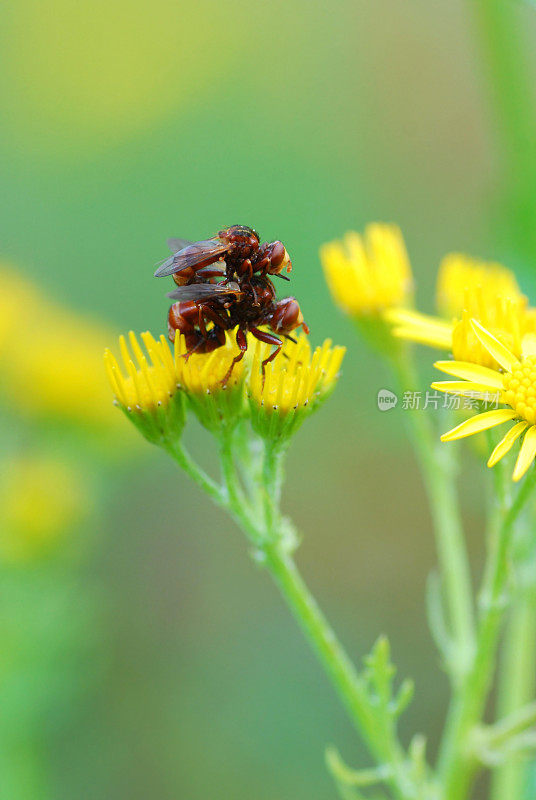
<point>225,283</point>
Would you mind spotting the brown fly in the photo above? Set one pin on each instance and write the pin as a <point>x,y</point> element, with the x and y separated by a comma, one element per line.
<point>234,253</point>
<point>204,312</point>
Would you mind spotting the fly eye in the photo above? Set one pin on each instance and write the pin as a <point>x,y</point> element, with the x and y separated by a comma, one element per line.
<point>278,254</point>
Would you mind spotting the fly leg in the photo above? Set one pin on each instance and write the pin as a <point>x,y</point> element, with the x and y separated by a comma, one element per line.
<point>191,350</point>
<point>242,343</point>
<point>220,322</point>
<point>267,338</point>
<point>211,272</point>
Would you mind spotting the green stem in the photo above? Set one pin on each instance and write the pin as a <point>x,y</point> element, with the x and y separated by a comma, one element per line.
<point>508,69</point>
<point>348,684</point>
<point>240,507</point>
<point>178,452</point>
<point>272,480</point>
<point>457,766</point>
<point>439,479</point>
<point>516,688</point>
<point>270,538</point>
<point>506,50</point>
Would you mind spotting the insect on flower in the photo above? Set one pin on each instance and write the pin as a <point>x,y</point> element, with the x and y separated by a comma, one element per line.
<point>244,298</point>
<point>233,251</point>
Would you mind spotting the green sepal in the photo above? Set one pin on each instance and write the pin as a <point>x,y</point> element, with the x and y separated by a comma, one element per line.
<point>219,411</point>
<point>163,423</point>
<point>278,426</point>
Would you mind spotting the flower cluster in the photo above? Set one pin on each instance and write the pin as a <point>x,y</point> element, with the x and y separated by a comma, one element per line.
<point>483,321</point>
<point>155,388</point>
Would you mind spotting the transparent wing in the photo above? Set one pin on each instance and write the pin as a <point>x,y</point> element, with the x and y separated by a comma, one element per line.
<point>205,252</point>
<point>178,244</point>
<point>203,291</point>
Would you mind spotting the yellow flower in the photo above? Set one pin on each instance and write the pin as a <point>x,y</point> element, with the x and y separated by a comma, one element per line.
<point>460,276</point>
<point>368,274</point>
<point>50,357</point>
<point>470,289</point>
<point>513,384</point>
<point>152,389</point>
<point>146,388</point>
<point>40,499</point>
<point>218,403</point>
<point>295,383</point>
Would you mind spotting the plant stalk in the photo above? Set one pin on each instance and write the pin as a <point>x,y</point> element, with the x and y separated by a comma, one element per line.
<point>457,765</point>
<point>438,474</point>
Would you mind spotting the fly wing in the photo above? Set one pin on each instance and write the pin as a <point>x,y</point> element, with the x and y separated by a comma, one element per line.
<point>178,244</point>
<point>203,291</point>
<point>205,252</point>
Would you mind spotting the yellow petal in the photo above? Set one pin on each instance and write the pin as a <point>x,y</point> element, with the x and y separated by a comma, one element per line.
<point>498,351</point>
<point>506,443</point>
<point>528,344</point>
<point>480,391</point>
<point>480,422</point>
<point>431,336</point>
<point>471,372</point>
<point>405,316</point>
<point>526,454</point>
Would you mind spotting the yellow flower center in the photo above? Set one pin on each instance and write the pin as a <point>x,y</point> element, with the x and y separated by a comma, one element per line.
<point>520,389</point>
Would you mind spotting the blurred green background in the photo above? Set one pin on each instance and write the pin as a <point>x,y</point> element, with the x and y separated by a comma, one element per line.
<point>149,656</point>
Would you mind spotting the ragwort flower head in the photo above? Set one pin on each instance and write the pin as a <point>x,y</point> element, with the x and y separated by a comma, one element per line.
<point>368,274</point>
<point>513,384</point>
<point>218,403</point>
<point>154,390</point>
<point>294,385</point>
<point>460,276</point>
<point>470,289</point>
<point>145,387</point>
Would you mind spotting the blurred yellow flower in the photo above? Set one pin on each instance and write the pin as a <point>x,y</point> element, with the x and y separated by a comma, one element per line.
<point>50,357</point>
<point>513,384</point>
<point>295,382</point>
<point>460,276</point>
<point>41,498</point>
<point>368,274</point>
